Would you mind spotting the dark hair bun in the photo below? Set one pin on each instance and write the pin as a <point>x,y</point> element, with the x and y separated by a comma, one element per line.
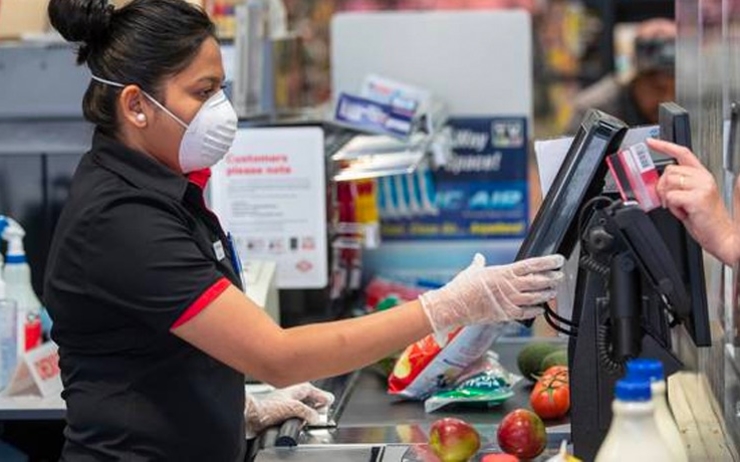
<point>82,21</point>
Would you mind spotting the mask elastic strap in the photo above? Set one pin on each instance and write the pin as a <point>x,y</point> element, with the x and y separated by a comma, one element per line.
<point>108,82</point>
<point>150,97</point>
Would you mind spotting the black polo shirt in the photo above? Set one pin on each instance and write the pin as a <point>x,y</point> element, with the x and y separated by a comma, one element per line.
<point>136,253</point>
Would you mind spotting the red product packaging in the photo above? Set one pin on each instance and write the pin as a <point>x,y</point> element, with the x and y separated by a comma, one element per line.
<point>380,289</point>
<point>426,365</point>
<point>32,332</point>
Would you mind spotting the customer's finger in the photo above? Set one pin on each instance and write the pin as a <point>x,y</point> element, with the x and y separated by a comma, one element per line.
<point>683,155</point>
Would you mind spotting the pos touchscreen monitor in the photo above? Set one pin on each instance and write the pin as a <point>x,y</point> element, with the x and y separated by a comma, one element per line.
<point>580,177</point>
<point>687,254</point>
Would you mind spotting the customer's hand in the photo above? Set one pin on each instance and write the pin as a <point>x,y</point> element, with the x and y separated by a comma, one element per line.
<point>481,294</point>
<point>303,401</point>
<point>690,192</point>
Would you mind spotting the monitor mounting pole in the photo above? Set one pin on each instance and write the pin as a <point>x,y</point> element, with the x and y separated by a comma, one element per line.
<point>613,326</point>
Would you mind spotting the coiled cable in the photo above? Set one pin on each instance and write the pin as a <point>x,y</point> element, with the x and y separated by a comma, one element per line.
<point>604,351</point>
<point>589,263</point>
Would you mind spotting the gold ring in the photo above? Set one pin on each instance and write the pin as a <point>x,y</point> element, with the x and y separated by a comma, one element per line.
<point>682,181</point>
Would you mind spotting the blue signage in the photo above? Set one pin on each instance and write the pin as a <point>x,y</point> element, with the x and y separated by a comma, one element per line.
<point>481,193</point>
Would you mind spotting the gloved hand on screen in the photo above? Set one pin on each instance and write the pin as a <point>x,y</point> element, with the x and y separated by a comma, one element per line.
<point>303,401</point>
<point>489,294</point>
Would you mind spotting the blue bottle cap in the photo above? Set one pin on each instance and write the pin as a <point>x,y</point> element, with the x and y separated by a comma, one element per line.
<point>634,390</point>
<point>15,259</point>
<point>645,369</point>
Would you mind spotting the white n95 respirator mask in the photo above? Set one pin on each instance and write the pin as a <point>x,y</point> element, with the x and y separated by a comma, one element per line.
<point>208,137</point>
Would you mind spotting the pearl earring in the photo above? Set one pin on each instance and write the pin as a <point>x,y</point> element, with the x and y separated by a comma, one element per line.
<point>141,117</point>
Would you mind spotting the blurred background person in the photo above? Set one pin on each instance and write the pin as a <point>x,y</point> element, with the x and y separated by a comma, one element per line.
<point>636,97</point>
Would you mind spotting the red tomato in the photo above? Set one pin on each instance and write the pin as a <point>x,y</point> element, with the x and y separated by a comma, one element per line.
<point>550,398</point>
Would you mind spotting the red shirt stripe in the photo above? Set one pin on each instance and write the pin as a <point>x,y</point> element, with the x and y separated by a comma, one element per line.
<point>205,299</point>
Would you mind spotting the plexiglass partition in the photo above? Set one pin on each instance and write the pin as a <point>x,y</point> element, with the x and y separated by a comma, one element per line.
<point>708,83</point>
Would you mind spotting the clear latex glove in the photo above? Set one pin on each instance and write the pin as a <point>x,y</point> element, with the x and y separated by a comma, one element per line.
<point>482,295</point>
<point>303,401</point>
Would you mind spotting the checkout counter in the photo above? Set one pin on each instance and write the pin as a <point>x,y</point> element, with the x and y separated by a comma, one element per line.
<point>364,424</point>
<point>374,426</point>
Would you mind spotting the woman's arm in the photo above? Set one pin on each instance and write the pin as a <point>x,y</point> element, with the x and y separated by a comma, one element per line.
<point>237,332</point>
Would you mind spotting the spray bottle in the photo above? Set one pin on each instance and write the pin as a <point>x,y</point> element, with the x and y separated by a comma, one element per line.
<point>17,275</point>
<point>3,224</point>
<point>8,327</point>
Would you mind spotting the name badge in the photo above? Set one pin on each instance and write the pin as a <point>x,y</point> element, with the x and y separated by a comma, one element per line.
<point>218,249</point>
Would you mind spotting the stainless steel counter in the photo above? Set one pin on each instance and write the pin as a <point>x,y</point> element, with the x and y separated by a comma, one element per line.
<point>360,453</point>
<point>348,453</point>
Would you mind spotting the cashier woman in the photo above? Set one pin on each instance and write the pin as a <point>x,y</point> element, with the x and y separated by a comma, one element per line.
<point>154,330</point>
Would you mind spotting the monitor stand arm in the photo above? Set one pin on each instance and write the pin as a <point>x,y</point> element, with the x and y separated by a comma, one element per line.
<point>608,332</point>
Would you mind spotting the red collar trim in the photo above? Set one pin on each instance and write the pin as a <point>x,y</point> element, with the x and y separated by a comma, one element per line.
<point>200,177</point>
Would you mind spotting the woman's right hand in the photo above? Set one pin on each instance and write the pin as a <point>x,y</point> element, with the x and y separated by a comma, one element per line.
<point>690,192</point>
<point>490,294</point>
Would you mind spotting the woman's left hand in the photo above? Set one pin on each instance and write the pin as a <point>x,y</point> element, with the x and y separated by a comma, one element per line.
<point>690,192</point>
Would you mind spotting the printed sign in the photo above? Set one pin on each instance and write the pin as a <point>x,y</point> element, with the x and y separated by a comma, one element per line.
<point>481,193</point>
<point>270,194</point>
<point>37,373</point>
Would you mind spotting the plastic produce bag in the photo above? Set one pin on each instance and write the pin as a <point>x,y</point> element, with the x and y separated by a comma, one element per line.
<point>484,382</point>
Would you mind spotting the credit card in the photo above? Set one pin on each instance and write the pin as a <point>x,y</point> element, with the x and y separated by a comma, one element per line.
<point>635,174</point>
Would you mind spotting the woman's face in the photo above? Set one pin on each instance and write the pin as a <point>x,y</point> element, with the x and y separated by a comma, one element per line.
<point>184,94</point>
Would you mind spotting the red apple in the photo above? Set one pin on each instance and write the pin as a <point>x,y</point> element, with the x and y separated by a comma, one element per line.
<point>453,440</point>
<point>522,434</point>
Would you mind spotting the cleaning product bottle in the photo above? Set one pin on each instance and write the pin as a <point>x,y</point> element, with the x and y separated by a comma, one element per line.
<point>633,434</point>
<point>3,224</point>
<point>8,340</point>
<point>17,275</point>
<point>8,327</point>
<point>651,370</point>
<point>2,281</point>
